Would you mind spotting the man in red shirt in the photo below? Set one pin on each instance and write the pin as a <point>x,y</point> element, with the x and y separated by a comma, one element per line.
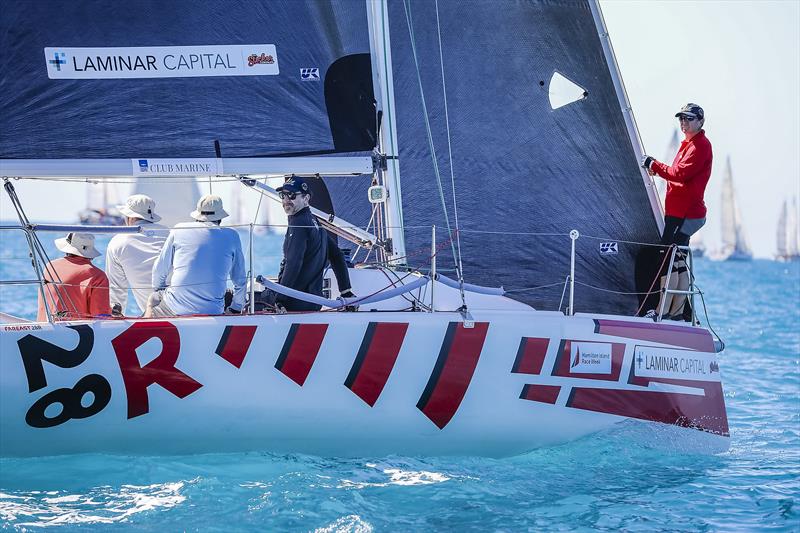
<point>75,289</point>
<point>685,210</point>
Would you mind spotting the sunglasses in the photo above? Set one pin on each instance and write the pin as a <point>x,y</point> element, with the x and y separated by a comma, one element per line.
<point>289,195</point>
<point>687,119</point>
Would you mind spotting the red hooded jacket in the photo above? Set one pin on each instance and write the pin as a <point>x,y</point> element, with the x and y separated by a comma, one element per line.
<point>687,177</point>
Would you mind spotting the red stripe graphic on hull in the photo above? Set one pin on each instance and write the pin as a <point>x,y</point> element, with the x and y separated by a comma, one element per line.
<point>704,412</point>
<point>300,350</point>
<point>234,343</point>
<point>375,360</point>
<point>685,336</point>
<point>453,372</point>
<point>540,393</point>
<point>530,356</point>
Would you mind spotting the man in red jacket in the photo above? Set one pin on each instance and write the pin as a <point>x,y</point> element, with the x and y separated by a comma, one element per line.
<point>685,210</point>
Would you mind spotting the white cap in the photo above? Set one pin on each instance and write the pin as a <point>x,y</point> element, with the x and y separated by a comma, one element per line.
<point>140,206</point>
<point>81,244</point>
<point>209,209</point>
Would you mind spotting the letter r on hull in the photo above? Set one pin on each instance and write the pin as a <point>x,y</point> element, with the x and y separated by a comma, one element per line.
<point>160,370</point>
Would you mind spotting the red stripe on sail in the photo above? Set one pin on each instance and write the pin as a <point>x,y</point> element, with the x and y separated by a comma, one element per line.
<point>234,343</point>
<point>540,393</point>
<point>530,356</point>
<point>453,372</point>
<point>705,412</point>
<point>375,360</point>
<point>300,350</point>
<point>685,336</point>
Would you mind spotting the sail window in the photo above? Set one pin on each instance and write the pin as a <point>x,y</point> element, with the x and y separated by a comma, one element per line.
<point>563,91</point>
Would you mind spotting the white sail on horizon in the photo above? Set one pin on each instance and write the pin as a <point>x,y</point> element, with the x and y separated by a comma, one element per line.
<point>787,246</point>
<point>734,241</point>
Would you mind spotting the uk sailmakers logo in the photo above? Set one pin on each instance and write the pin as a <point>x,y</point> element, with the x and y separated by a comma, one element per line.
<point>161,61</point>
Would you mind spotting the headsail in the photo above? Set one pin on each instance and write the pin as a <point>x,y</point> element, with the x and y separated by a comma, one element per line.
<point>518,166</point>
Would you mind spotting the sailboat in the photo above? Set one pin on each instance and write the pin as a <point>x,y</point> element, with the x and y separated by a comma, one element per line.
<point>734,243</point>
<point>174,199</point>
<point>102,200</point>
<point>496,297</point>
<point>669,155</point>
<point>788,246</point>
<point>698,245</point>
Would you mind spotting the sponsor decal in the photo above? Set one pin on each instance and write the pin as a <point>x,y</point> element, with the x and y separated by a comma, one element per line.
<point>177,167</point>
<point>609,248</point>
<point>590,358</point>
<point>161,61</point>
<point>673,363</point>
<point>23,327</point>
<point>309,74</point>
<point>263,59</point>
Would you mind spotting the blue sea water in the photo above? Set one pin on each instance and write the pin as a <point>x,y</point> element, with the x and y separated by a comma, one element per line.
<point>609,481</point>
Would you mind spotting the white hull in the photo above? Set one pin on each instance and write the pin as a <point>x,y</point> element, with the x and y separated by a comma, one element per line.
<point>360,383</point>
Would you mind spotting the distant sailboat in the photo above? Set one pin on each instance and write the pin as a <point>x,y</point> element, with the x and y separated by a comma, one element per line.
<point>102,199</point>
<point>669,156</point>
<point>734,242</point>
<point>788,247</point>
<point>698,245</point>
<point>174,200</point>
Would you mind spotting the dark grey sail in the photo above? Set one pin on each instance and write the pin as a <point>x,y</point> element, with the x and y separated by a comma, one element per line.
<point>59,101</point>
<point>519,165</point>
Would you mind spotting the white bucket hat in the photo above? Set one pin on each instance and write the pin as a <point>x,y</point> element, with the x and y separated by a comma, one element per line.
<point>140,206</point>
<point>81,244</point>
<point>209,209</point>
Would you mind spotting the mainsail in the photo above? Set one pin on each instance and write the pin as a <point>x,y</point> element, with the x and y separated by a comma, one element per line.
<point>97,81</point>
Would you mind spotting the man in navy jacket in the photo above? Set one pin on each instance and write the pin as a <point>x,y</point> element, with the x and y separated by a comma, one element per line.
<point>305,247</point>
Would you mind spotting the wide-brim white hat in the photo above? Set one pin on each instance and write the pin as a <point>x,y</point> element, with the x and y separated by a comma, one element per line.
<point>140,206</point>
<point>209,209</point>
<point>81,244</point>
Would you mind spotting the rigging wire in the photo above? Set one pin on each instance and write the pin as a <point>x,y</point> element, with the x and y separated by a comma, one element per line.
<point>460,268</point>
<point>431,147</point>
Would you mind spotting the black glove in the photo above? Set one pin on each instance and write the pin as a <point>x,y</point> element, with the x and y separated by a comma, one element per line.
<point>647,161</point>
<point>116,310</point>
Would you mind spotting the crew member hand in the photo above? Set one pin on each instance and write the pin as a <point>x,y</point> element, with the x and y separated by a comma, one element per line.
<point>647,161</point>
<point>231,311</point>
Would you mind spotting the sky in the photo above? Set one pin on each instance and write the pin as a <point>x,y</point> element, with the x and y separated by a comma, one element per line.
<point>739,60</point>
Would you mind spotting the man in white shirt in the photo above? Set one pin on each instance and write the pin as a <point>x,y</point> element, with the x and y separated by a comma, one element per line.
<point>200,256</point>
<point>130,256</point>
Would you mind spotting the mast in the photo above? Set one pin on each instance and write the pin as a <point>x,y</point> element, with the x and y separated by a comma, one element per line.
<point>388,171</point>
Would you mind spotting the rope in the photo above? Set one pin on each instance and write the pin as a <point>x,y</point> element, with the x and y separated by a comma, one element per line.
<point>450,158</point>
<point>431,146</point>
<point>658,276</point>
